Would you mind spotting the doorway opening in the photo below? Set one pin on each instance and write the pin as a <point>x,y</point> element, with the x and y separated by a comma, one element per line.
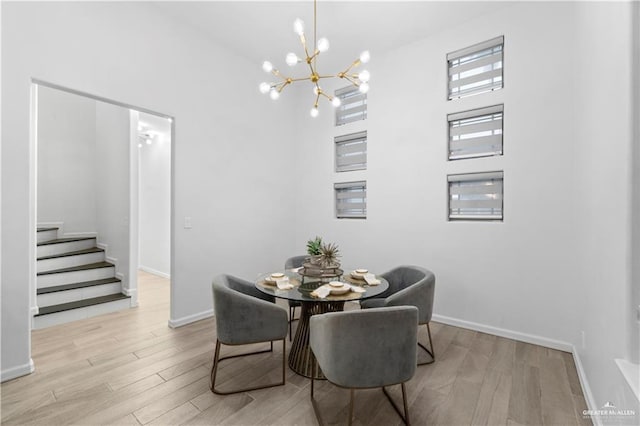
<point>103,203</point>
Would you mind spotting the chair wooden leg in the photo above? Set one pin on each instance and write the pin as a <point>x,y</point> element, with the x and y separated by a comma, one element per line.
<point>428,351</point>
<point>217,360</point>
<point>405,416</point>
<point>314,403</point>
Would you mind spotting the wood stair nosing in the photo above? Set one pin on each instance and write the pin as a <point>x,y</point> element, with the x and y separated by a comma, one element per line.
<point>45,310</point>
<point>73,286</point>
<point>65,240</point>
<point>73,253</point>
<point>45,229</point>
<point>86,267</point>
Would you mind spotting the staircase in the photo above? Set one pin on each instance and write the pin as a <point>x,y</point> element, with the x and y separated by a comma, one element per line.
<point>73,280</point>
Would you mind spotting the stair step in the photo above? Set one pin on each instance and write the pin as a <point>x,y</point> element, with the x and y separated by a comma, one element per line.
<point>45,310</point>
<point>46,234</point>
<point>74,286</point>
<point>64,245</point>
<point>75,274</point>
<point>72,253</point>
<point>78,268</point>
<point>70,259</point>
<point>78,293</point>
<point>72,311</point>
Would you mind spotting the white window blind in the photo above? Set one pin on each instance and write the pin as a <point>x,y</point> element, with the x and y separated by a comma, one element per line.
<point>353,105</point>
<point>476,69</point>
<point>476,133</point>
<point>351,152</point>
<point>476,196</point>
<point>351,199</point>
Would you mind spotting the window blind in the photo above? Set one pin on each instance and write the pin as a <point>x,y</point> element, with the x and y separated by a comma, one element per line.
<point>353,106</point>
<point>351,199</point>
<point>476,69</point>
<point>476,133</point>
<point>476,196</point>
<point>351,152</point>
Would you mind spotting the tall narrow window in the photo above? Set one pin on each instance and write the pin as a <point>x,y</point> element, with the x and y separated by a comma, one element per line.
<point>353,105</point>
<point>477,196</point>
<point>351,200</point>
<point>476,69</point>
<point>351,152</point>
<point>476,133</point>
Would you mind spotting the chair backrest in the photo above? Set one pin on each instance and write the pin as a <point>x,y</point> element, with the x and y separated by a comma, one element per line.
<point>414,286</point>
<point>295,262</point>
<point>243,313</point>
<point>366,348</point>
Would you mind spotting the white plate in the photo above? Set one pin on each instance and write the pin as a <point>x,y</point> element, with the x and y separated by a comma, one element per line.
<point>277,275</point>
<point>336,284</point>
<point>341,290</point>
<point>357,289</point>
<point>361,271</point>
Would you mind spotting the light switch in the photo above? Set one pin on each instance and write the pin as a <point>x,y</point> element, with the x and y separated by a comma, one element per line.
<point>187,222</point>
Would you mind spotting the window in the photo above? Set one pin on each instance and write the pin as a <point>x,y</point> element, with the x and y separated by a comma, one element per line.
<point>476,133</point>
<point>476,69</point>
<point>353,105</point>
<point>351,152</point>
<point>351,200</point>
<point>476,196</point>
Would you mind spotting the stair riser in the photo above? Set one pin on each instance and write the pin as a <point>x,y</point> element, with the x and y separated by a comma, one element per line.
<point>47,235</point>
<point>69,261</point>
<point>75,276</point>
<point>80,313</point>
<point>54,249</point>
<point>66,296</point>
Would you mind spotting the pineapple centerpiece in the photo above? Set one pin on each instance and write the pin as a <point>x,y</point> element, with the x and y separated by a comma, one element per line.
<point>322,264</point>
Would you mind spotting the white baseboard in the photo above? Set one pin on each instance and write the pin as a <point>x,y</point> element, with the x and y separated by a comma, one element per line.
<point>34,310</point>
<point>190,318</point>
<point>20,370</point>
<point>509,334</point>
<point>586,389</point>
<point>154,272</point>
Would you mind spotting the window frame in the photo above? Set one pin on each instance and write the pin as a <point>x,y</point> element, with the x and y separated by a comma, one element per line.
<point>467,52</point>
<point>497,175</point>
<point>344,94</point>
<point>341,187</point>
<point>350,139</point>
<point>478,113</point>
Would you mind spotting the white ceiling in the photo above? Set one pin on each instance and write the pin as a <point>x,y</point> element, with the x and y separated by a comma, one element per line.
<point>263,30</point>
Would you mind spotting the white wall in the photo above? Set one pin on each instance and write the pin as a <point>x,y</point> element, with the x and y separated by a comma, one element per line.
<point>155,202</point>
<point>557,265</point>
<point>66,160</point>
<point>131,53</point>
<point>111,170</point>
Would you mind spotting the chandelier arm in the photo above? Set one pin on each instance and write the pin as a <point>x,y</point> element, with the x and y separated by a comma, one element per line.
<point>300,79</point>
<point>351,81</point>
<point>315,105</point>
<point>354,64</point>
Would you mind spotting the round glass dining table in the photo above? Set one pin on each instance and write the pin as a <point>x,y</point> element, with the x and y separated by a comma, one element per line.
<point>301,358</point>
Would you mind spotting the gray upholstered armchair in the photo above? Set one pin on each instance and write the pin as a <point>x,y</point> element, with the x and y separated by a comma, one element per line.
<point>409,285</point>
<point>293,262</point>
<point>244,315</point>
<point>353,357</point>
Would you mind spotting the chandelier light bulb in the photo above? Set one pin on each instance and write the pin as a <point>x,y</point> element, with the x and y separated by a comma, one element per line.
<point>264,88</point>
<point>316,90</point>
<point>274,94</point>
<point>267,66</point>
<point>314,112</point>
<point>291,59</point>
<point>149,141</point>
<point>364,88</point>
<point>298,26</point>
<point>365,56</point>
<point>336,102</point>
<point>323,44</point>
<point>364,76</point>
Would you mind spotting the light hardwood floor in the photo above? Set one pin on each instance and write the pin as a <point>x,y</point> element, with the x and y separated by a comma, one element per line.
<point>129,368</point>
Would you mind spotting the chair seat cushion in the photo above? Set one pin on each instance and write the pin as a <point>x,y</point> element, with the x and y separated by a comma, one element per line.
<point>372,303</point>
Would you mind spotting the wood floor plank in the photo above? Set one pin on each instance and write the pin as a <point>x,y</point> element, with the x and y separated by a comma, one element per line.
<point>130,368</point>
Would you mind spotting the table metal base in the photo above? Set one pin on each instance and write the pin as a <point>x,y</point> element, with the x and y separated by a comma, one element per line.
<point>301,359</point>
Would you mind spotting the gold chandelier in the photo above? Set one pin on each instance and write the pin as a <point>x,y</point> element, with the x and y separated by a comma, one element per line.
<point>359,80</point>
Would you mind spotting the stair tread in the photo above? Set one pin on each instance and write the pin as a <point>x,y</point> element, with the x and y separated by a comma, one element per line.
<point>47,229</point>
<point>44,310</point>
<point>88,266</point>
<point>74,286</point>
<point>65,240</point>
<point>73,253</point>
